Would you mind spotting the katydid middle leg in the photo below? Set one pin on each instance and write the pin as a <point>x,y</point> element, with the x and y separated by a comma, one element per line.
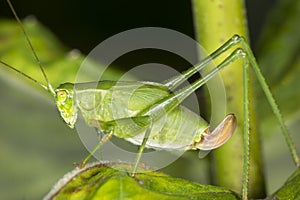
<point>141,149</point>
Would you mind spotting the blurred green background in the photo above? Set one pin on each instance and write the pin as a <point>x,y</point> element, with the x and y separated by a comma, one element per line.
<point>37,148</point>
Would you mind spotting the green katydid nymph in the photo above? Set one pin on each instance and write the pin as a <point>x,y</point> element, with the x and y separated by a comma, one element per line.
<point>145,104</point>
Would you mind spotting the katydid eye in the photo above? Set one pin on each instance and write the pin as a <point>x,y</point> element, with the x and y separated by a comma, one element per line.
<point>62,95</point>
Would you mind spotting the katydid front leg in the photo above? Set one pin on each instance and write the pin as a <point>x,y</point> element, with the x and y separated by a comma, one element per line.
<point>103,140</point>
<point>123,128</point>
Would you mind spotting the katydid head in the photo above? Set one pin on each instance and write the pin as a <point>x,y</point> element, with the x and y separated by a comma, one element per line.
<point>65,104</point>
<point>63,96</point>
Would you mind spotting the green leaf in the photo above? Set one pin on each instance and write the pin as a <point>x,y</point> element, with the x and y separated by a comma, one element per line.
<point>291,189</point>
<point>103,180</point>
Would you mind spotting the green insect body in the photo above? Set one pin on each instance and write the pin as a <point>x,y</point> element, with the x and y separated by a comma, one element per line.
<point>145,113</point>
<point>126,109</point>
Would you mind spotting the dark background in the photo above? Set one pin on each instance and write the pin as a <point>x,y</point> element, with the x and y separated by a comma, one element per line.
<point>84,24</point>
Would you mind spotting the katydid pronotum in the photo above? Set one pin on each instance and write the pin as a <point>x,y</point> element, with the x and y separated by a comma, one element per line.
<point>70,100</point>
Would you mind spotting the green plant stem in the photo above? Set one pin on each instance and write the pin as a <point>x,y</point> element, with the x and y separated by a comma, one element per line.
<point>216,21</point>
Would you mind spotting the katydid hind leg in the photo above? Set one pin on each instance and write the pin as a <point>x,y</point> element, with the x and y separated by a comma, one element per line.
<point>175,81</point>
<point>172,101</point>
<point>249,59</point>
<point>272,102</point>
<point>186,91</point>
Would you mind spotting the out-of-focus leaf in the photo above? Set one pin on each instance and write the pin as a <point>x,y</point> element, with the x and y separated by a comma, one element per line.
<point>290,190</point>
<point>61,64</point>
<point>280,40</point>
<point>101,181</point>
<point>279,58</point>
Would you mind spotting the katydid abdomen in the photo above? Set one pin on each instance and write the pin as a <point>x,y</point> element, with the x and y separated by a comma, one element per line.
<point>176,130</point>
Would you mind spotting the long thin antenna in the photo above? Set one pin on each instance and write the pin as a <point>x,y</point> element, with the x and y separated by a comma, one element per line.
<point>20,72</point>
<point>49,88</point>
